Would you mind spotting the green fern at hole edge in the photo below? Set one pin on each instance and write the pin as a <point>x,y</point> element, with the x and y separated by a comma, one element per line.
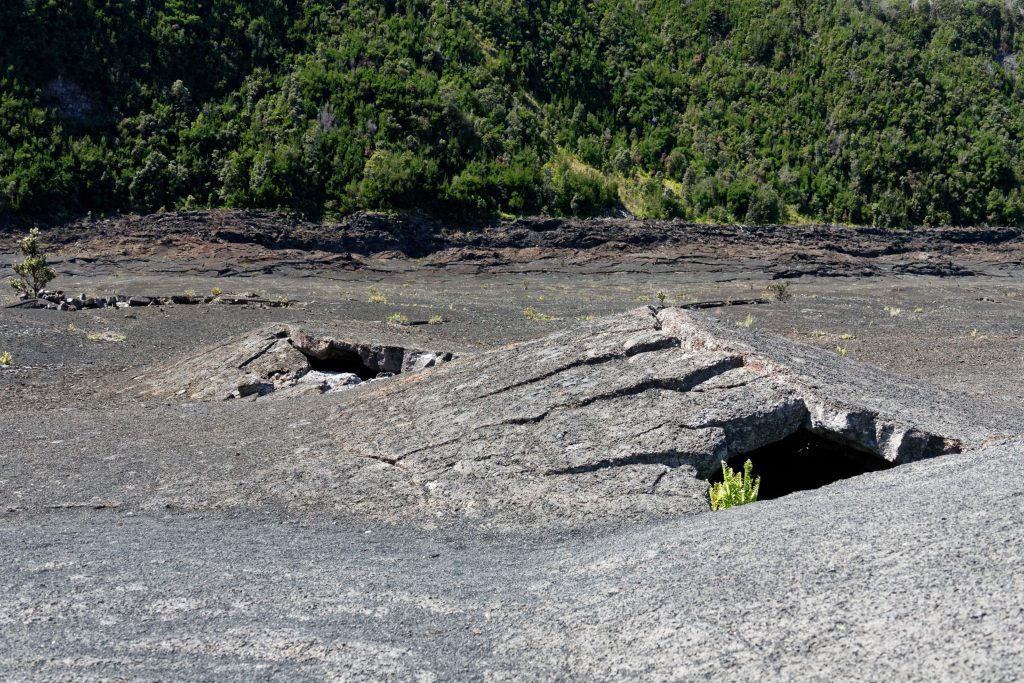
<point>736,488</point>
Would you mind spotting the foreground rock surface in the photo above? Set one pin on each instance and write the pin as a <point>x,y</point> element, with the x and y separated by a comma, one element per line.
<point>912,574</point>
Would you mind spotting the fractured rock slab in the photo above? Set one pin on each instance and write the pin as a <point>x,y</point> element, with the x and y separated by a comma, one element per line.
<point>283,360</point>
<point>619,420</point>
<point>628,416</point>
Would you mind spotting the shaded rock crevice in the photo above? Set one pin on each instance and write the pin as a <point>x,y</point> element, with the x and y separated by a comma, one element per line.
<point>668,459</point>
<point>649,344</point>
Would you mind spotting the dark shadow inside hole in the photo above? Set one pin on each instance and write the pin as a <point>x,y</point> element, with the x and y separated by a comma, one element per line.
<point>344,361</point>
<point>803,461</point>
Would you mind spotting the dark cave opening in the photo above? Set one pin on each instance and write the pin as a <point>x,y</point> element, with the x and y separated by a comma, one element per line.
<point>344,361</point>
<point>803,461</point>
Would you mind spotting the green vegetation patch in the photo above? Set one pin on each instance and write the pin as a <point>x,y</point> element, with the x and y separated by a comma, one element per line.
<point>736,488</point>
<point>886,112</point>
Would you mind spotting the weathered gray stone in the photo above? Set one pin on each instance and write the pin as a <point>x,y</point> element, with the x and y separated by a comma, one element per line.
<point>327,382</point>
<point>622,419</point>
<point>276,358</point>
<point>628,416</point>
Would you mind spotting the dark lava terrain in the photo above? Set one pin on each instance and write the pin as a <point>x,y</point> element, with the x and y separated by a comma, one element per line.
<point>510,483</point>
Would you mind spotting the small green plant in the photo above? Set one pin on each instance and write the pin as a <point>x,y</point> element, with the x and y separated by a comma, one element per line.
<point>661,298</point>
<point>584,318</point>
<point>643,299</point>
<point>216,291</point>
<point>6,359</point>
<point>33,273</point>
<point>843,350</point>
<point>892,311</point>
<point>974,333</point>
<point>398,319</point>
<point>532,313</point>
<point>847,336</point>
<point>919,309</point>
<point>747,322</point>
<point>190,293</point>
<point>735,488</point>
<point>779,291</point>
<point>435,320</point>
<point>377,297</point>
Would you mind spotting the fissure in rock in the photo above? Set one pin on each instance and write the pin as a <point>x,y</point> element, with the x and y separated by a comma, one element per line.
<point>803,461</point>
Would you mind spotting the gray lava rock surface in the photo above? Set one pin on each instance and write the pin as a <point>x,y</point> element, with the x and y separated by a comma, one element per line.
<point>532,512</point>
<point>619,421</point>
<point>626,418</point>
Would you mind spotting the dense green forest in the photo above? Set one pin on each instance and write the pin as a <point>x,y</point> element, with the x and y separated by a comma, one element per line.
<point>887,112</point>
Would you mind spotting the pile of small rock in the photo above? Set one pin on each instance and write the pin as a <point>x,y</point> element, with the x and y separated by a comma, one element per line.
<point>58,300</point>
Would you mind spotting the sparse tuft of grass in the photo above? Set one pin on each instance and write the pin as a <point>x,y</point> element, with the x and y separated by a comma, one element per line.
<point>892,311</point>
<point>919,309</point>
<point>398,319</point>
<point>216,291</point>
<point>735,488</point>
<point>435,320</point>
<point>747,322</point>
<point>685,298</point>
<point>532,313</point>
<point>584,318</point>
<point>843,350</point>
<point>377,297</point>
<point>6,359</point>
<point>975,334</point>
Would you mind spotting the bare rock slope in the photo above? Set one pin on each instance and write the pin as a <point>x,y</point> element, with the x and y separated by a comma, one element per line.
<point>618,420</point>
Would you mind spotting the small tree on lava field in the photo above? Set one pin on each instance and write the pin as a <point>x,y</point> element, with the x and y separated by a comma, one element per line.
<point>33,273</point>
